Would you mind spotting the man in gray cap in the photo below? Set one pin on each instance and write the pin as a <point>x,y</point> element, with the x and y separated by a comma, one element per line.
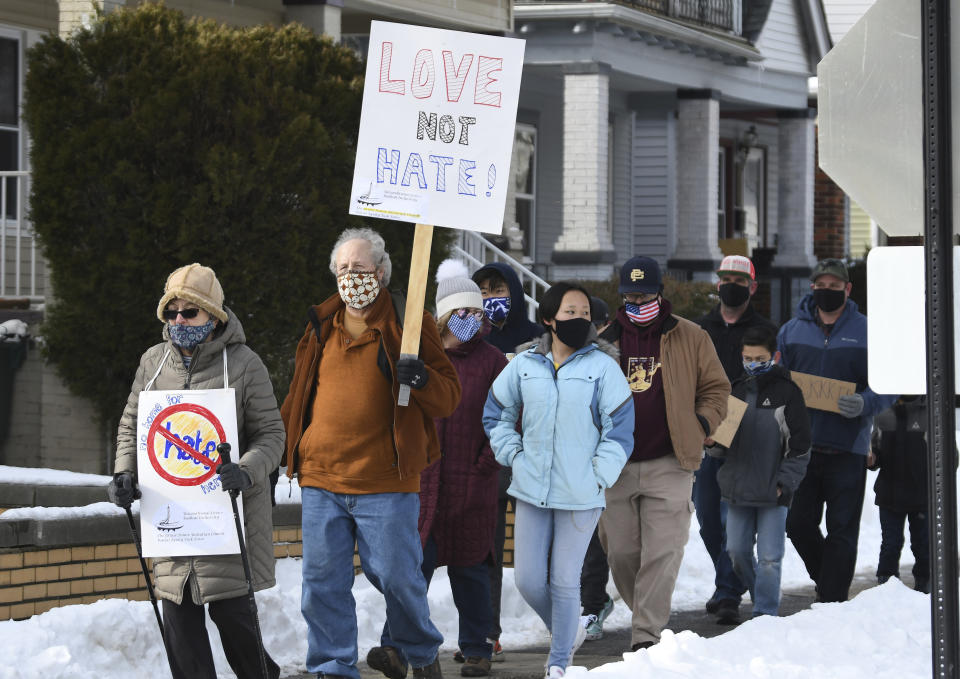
<point>828,337</point>
<point>647,521</point>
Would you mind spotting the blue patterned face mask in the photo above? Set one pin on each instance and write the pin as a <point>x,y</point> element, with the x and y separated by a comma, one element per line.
<point>496,308</point>
<point>189,336</point>
<point>464,328</point>
<point>757,367</point>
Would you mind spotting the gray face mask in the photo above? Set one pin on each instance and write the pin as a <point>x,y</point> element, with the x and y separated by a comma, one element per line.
<point>189,336</point>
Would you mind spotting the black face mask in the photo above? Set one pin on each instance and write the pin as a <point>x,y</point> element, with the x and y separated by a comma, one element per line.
<point>574,332</point>
<point>734,294</point>
<point>829,300</point>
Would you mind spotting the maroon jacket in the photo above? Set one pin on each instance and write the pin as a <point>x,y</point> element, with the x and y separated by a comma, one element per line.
<point>458,493</point>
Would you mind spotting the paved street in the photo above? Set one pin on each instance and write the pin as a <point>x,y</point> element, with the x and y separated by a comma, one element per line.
<point>527,663</point>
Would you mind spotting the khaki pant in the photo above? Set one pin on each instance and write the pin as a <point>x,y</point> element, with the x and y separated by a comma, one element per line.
<point>644,530</point>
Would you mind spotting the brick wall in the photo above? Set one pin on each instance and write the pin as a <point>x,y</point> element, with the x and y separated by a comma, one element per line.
<point>829,217</point>
<point>35,579</point>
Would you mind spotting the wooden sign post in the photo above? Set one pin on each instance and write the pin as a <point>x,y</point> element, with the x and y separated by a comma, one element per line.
<point>436,139</point>
<point>416,293</point>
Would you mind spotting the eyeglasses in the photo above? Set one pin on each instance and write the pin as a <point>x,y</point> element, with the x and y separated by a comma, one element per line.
<point>639,298</point>
<point>171,314</point>
<point>464,313</point>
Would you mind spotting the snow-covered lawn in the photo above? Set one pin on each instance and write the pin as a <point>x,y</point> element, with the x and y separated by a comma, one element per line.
<point>114,639</point>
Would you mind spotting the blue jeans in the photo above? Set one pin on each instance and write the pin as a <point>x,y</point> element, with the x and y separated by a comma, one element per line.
<point>891,542</point>
<point>712,517</point>
<point>836,480</point>
<point>548,550</point>
<point>470,586</point>
<point>384,526</point>
<point>767,527</point>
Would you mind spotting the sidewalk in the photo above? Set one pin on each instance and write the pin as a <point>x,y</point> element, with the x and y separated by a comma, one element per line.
<point>527,663</point>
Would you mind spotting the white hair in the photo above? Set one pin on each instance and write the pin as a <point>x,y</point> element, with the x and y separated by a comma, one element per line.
<point>378,250</point>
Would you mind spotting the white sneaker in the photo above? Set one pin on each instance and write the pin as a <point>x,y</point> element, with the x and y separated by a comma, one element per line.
<point>555,672</point>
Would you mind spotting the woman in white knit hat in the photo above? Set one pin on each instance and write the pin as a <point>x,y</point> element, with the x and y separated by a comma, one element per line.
<point>458,493</point>
<point>204,347</point>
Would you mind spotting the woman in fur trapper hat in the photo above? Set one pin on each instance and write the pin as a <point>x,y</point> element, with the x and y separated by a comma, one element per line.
<point>204,347</point>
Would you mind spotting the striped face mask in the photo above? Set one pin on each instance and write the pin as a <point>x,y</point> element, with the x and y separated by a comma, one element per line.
<point>641,314</point>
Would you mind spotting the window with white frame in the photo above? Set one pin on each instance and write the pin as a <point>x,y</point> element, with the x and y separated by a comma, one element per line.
<point>524,164</point>
<point>10,132</point>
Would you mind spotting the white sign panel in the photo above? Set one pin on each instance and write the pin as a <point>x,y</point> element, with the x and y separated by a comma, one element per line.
<point>183,511</point>
<point>437,127</point>
<point>896,325</point>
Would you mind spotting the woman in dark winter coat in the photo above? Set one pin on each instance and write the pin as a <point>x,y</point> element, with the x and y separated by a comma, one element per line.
<point>458,492</point>
<point>900,451</point>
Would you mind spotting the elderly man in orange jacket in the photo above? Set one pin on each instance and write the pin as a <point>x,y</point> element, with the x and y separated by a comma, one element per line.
<point>358,458</point>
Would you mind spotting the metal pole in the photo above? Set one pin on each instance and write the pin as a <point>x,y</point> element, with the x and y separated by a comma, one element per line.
<point>938,249</point>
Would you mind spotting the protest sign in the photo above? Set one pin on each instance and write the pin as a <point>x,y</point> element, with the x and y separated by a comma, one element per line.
<point>727,429</point>
<point>437,127</point>
<point>822,393</point>
<point>183,511</point>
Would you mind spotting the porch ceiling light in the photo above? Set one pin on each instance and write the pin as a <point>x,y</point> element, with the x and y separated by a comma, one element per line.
<point>747,141</point>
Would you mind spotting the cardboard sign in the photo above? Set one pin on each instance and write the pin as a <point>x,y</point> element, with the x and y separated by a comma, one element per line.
<point>437,127</point>
<point>727,429</point>
<point>183,511</point>
<point>822,392</point>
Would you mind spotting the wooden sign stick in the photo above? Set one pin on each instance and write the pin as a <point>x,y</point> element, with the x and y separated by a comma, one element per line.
<point>416,293</point>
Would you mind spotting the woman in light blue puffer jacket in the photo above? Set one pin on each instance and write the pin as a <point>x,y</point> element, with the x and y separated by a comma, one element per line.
<point>577,433</point>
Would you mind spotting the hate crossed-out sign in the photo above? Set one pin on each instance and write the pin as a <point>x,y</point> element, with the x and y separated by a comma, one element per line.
<point>183,511</point>
<point>437,127</point>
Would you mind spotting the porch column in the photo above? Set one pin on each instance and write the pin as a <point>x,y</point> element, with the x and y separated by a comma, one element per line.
<point>697,252</point>
<point>320,16</point>
<point>585,247</point>
<point>795,149</point>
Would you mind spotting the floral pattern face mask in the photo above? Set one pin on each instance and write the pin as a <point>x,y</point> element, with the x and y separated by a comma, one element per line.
<point>358,289</point>
<point>189,336</point>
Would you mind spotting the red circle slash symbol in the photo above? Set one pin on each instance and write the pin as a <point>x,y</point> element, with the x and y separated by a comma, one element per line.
<point>157,430</point>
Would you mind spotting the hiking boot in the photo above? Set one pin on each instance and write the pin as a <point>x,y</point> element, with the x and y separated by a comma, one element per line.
<point>431,671</point>
<point>921,584</point>
<point>387,659</point>
<point>475,666</point>
<point>728,612</point>
<point>594,623</point>
<point>713,603</point>
<point>497,655</point>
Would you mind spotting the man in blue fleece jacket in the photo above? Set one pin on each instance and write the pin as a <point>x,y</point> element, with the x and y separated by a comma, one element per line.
<point>828,337</point>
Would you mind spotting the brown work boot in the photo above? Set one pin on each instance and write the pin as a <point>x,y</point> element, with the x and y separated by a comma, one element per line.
<point>387,659</point>
<point>475,666</point>
<point>431,671</point>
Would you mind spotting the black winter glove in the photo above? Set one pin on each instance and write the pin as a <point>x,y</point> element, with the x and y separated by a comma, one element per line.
<point>412,372</point>
<point>232,477</point>
<point>122,489</point>
<point>786,496</point>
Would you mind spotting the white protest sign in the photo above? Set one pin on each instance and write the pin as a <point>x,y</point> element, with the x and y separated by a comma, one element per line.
<point>896,322</point>
<point>183,511</point>
<point>437,127</point>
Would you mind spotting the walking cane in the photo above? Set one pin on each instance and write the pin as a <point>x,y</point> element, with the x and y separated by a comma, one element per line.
<point>146,577</point>
<point>224,451</point>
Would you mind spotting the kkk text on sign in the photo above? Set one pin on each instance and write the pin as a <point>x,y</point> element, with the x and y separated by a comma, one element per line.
<point>437,127</point>
<point>183,511</point>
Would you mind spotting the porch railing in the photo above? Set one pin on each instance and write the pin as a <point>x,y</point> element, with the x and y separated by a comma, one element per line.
<point>19,262</point>
<point>721,14</point>
<point>477,252</point>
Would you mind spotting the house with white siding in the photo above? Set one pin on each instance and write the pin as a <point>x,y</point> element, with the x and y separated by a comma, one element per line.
<point>678,129</point>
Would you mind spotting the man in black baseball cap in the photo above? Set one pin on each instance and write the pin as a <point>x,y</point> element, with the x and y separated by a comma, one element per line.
<point>654,489</point>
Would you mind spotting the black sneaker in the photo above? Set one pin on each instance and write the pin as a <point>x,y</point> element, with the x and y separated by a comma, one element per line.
<point>431,671</point>
<point>475,666</point>
<point>713,603</point>
<point>921,584</point>
<point>387,659</point>
<point>728,612</point>
<point>642,644</point>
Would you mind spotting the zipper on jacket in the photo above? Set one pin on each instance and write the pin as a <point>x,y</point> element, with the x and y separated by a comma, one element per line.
<point>393,425</point>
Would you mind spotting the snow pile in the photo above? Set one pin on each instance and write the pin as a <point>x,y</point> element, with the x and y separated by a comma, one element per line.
<point>50,477</point>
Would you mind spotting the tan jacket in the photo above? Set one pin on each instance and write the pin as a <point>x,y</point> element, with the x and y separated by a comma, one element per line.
<point>260,449</point>
<point>694,384</point>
